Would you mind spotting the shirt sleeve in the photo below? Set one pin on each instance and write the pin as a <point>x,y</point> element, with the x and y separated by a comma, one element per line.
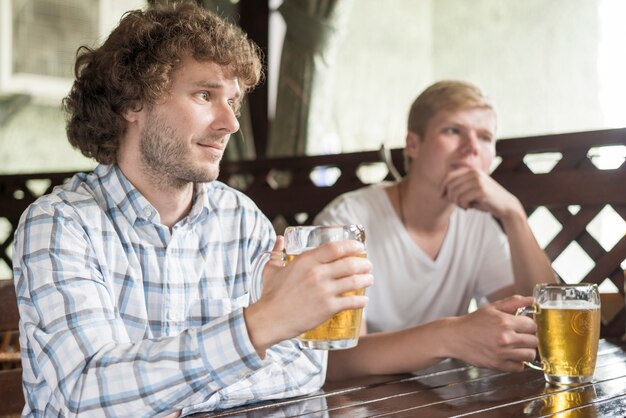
<point>77,345</point>
<point>288,369</point>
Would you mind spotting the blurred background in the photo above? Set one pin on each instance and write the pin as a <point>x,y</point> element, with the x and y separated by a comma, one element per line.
<point>350,69</point>
<point>341,75</point>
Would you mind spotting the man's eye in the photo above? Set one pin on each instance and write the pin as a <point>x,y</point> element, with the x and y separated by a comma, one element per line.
<point>204,95</point>
<point>235,105</point>
<point>451,131</point>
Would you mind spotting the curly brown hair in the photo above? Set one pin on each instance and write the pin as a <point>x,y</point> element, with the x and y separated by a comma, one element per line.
<point>133,69</point>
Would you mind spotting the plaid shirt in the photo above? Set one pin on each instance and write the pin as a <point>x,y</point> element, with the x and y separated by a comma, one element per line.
<point>121,316</point>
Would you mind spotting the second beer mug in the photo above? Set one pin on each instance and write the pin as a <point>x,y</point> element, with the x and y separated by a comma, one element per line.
<point>568,328</point>
<point>342,329</point>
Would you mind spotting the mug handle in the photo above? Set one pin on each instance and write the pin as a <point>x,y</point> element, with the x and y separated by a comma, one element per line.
<point>256,280</point>
<point>528,311</point>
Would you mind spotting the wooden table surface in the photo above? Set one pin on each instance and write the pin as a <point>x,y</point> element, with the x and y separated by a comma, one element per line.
<point>453,389</point>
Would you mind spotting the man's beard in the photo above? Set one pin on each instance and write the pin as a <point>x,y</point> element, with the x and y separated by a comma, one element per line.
<point>166,157</point>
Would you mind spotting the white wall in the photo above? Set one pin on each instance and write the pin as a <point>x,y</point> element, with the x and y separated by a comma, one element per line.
<point>384,60</point>
<point>540,60</point>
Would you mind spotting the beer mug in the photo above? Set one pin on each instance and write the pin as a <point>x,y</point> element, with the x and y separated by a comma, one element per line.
<point>341,330</point>
<point>568,328</point>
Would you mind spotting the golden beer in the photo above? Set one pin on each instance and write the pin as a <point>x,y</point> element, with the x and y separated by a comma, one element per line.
<point>344,327</point>
<point>568,339</point>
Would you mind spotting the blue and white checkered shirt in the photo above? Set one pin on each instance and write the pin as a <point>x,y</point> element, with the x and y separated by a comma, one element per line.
<point>121,316</point>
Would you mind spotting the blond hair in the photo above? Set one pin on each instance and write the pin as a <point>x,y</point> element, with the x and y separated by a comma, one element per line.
<point>448,95</point>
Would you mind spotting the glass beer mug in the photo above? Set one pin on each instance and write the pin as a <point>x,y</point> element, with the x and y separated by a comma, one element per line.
<point>568,328</point>
<point>342,329</point>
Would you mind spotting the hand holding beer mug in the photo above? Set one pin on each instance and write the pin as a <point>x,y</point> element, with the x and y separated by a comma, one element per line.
<point>568,328</point>
<point>341,330</point>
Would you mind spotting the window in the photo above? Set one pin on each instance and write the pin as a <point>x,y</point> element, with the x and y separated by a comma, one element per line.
<point>39,38</point>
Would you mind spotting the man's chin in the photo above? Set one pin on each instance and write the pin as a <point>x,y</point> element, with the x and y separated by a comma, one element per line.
<point>208,175</point>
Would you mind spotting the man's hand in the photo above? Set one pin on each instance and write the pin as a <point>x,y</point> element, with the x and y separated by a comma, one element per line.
<point>273,265</point>
<point>471,188</point>
<point>307,291</point>
<point>494,337</point>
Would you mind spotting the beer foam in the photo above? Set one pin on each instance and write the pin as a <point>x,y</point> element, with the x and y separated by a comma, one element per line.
<point>569,304</point>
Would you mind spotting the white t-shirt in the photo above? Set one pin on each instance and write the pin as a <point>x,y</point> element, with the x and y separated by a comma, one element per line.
<point>409,287</point>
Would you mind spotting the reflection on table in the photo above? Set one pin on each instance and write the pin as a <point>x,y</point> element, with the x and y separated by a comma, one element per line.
<point>455,389</point>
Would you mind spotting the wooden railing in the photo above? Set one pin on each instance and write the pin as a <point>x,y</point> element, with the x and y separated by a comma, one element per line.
<point>574,191</point>
<point>11,395</point>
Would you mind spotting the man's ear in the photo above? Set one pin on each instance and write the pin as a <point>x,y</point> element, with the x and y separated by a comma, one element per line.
<point>133,113</point>
<point>412,145</point>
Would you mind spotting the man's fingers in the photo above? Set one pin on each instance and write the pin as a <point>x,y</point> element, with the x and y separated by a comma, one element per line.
<point>468,198</point>
<point>351,302</point>
<point>347,266</point>
<point>276,258</point>
<point>512,366</point>
<point>279,245</point>
<point>352,283</point>
<point>513,303</point>
<point>452,179</point>
<point>526,326</point>
<point>527,340</point>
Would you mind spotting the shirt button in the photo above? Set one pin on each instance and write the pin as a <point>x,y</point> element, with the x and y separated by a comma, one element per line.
<point>176,316</point>
<point>148,212</point>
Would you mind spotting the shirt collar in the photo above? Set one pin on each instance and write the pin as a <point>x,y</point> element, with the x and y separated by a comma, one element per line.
<point>133,205</point>
<point>200,203</point>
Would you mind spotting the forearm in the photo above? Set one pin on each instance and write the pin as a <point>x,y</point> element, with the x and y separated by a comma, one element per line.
<point>529,261</point>
<point>142,378</point>
<point>402,351</point>
<point>288,371</point>
<point>489,337</point>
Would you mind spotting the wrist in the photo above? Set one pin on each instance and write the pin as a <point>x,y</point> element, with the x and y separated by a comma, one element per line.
<point>261,329</point>
<point>443,331</point>
<point>513,214</point>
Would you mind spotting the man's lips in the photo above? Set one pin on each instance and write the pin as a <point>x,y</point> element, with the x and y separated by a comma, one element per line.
<point>213,148</point>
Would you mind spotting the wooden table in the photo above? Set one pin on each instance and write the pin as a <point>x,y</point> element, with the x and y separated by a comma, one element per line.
<point>453,389</point>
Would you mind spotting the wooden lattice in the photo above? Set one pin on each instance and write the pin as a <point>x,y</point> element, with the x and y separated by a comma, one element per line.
<point>283,188</point>
<point>574,180</point>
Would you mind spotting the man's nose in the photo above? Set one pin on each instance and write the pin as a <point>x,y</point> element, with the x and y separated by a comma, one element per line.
<point>225,119</point>
<point>470,143</point>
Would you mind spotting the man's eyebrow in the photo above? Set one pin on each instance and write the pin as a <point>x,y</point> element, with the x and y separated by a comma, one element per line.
<point>209,84</point>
